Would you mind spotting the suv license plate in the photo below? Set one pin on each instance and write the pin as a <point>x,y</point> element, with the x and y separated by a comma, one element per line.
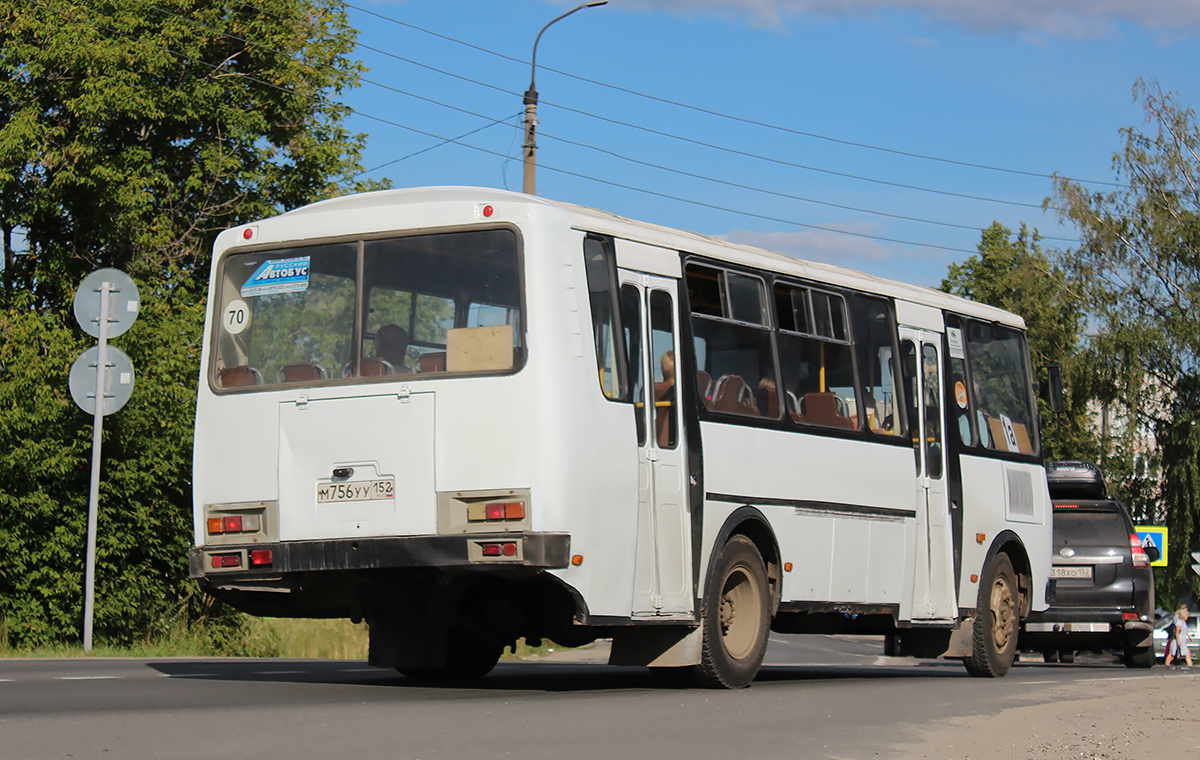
<point>1082,573</point>
<point>361,490</point>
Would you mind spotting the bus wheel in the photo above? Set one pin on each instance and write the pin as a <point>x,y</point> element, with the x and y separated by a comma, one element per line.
<point>994,645</point>
<point>469,657</point>
<point>734,618</point>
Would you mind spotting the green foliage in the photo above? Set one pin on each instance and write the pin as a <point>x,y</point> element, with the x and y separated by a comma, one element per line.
<point>1139,268</point>
<point>1179,437</point>
<point>130,134</point>
<point>1012,272</point>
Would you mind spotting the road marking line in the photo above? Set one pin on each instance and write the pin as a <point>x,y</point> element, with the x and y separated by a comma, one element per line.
<point>88,678</point>
<point>186,675</point>
<point>6,680</point>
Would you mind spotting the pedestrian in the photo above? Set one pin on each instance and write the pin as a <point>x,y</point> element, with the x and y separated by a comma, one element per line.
<point>1177,641</point>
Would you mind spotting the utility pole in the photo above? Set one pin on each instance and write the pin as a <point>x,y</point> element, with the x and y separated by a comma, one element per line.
<point>531,102</point>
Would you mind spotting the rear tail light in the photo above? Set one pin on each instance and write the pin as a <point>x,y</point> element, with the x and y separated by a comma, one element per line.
<point>1140,559</point>
<point>505,549</point>
<point>234,524</point>
<point>496,511</point>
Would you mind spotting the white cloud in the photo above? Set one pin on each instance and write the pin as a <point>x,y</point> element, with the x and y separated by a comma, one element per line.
<point>815,245</point>
<point>1071,19</point>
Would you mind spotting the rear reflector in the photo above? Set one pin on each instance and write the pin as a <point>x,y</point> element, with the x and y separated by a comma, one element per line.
<point>226,560</point>
<point>260,557</point>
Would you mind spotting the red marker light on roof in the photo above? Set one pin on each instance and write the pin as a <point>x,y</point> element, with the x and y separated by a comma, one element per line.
<point>488,211</point>
<point>247,233</point>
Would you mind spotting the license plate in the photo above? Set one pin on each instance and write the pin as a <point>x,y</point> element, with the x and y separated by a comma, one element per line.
<point>361,490</point>
<point>1082,573</point>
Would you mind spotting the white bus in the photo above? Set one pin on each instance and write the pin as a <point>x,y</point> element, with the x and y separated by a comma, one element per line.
<point>469,416</point>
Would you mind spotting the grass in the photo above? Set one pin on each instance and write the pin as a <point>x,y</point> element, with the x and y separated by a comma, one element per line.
<point>291,638</point>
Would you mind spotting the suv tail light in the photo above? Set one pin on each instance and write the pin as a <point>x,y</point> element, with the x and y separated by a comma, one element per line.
<point>1139,554</point>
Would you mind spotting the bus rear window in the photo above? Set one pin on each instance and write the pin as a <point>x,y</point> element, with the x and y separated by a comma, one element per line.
<point>416,305</point>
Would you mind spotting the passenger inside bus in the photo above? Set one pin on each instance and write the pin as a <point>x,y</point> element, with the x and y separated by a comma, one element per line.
<point>391,347</point>
<point>664,402</point>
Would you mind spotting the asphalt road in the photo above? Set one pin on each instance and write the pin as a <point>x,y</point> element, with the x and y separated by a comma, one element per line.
<point>817,697</point>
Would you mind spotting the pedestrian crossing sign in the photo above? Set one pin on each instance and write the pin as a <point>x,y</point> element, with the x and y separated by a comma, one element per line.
<point>1156,536</point>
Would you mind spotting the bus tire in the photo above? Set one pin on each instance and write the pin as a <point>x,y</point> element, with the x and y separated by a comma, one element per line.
<point>994,643</point>
<point>469,657</point>
<point>734,618</point>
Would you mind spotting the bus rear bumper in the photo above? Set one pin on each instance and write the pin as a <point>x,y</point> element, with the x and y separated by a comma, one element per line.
<point>526,550</point>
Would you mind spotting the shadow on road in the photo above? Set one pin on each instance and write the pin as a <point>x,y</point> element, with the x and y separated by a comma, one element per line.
<point>540,676</point>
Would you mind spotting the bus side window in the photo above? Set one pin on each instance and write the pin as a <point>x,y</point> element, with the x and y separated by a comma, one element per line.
<point>730,319</point>
<point>997,366</point>
<point>631,321</point>
<point>964,418</point>
<point>611,363</point>
<point>816,358</point>
<point>875,344</point>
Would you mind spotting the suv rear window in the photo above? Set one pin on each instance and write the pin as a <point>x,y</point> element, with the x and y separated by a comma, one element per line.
<point>1091,525</point>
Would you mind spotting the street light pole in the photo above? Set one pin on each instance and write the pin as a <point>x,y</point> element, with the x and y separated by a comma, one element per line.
<point>531,101</point>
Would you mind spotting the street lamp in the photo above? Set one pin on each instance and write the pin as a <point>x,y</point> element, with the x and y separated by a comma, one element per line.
<point>531,100</point>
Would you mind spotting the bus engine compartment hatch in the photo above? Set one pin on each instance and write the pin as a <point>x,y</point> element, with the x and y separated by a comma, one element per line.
<point>341,460</point>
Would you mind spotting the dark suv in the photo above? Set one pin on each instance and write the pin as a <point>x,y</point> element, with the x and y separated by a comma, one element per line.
<point>1101,590</point>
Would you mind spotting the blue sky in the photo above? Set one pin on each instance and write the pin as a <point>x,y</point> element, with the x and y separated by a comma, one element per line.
<point>850,131</point>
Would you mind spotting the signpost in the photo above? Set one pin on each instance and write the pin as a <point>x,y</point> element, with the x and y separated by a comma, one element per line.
<point>101,381</point>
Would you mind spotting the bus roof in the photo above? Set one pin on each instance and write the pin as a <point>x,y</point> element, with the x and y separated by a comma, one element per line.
<point>672,240</point>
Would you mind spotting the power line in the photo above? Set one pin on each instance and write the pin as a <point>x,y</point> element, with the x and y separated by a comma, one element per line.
<point>648,130</point>
<point>458,141</point>
<point>492,122</point>
<point>718,114</point>
<point>776,193</point>
<point>669,135</point>
<point>447,141</point>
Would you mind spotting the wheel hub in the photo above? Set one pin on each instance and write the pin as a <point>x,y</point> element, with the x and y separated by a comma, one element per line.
<point>1003,614</point>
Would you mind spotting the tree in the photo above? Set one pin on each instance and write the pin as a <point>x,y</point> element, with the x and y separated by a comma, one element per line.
<point>1012,272</point>
<point>1139,265</point>
<point>130,134</point>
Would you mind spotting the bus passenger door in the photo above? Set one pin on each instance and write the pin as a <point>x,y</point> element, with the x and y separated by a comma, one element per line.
<point>933,577</point>
<point>662,570</point>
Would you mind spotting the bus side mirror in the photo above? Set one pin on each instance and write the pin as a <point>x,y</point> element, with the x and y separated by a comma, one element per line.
<point>1056,388</point>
